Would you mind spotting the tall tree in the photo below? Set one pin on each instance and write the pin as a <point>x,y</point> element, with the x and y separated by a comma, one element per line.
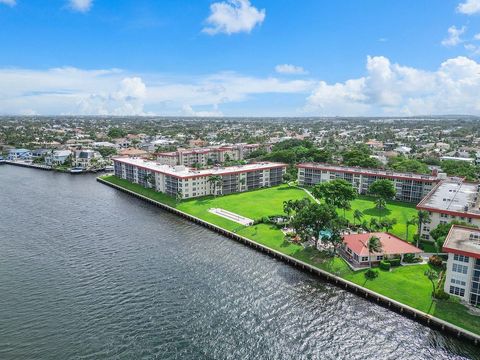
<point>374,245</point>
<point>423,217</point>
<point>383,188</point>
<point>432,275</point>
<point>357,215</point>
<point>409,223</point>
<point>338,193</point>
<point>215,180</point>
<point>309,220</point>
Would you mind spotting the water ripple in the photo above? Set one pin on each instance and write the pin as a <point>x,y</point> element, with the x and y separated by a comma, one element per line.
<point>89,273</point>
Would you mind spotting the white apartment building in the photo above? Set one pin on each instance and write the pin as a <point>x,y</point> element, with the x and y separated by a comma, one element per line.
<point>463,266</point>
<point>451,199</point>
<point>410,187</point>
<point>206,156</point>
<point>189,183</point>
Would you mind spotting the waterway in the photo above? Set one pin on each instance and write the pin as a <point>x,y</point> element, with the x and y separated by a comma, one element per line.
<point>88,272</point>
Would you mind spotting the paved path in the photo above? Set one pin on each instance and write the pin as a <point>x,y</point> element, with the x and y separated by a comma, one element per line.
<point>308,192</point>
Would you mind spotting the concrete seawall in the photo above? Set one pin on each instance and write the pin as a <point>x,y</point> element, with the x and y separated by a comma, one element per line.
<point>31,166</point>
<point>417,315</point>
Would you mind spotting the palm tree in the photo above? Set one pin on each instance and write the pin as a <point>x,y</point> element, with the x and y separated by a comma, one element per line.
<point>380,204</point>
<point>410,222</point>
<point>373,245</point>
<point>357,215</point>
<point>215,180</point>
<point>178,195</point>
<point>374,225</point>
<point>423,217</point>
<point>432,275</point>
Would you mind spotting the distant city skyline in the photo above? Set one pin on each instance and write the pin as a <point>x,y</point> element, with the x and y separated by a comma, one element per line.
<point>240,57</point>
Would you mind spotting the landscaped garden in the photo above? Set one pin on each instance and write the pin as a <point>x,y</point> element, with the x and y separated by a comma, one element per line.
<point>406,284</point>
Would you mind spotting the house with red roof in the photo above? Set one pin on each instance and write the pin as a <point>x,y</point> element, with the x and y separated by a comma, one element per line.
<point>355,249</point>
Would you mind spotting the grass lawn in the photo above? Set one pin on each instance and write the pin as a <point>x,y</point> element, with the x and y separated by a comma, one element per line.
<point>406,284</point>
<point>395,210</point>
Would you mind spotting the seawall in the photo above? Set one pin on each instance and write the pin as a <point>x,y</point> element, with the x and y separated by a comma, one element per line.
<point>417,315</point>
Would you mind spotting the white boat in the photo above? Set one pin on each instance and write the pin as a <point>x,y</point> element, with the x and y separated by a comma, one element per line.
<point>76,170</point>
<point>109,168</point>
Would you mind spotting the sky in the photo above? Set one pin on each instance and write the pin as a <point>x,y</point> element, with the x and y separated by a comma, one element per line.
<point>240,57</point>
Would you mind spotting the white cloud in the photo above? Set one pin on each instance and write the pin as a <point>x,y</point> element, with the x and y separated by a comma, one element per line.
<point>477,36</point>
<point>9,2</point>
<point>393,89</point>
<point>188,111</point>
<point>233,16</point>
<point>289,69</point>
<point>116,92</point>
<point>80,5</point>
<point>454,34</point>
<point>469,7</point>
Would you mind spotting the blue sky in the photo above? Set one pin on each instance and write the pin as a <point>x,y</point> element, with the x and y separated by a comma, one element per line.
<point>240,57</point>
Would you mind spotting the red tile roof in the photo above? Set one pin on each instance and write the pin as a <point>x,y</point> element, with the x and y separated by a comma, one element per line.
<point>390,244</point>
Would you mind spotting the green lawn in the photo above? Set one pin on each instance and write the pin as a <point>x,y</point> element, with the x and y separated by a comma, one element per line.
<point>406,284</point>
<point>395,210</point>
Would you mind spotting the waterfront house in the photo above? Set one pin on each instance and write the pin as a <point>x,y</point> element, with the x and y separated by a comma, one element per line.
<point>38,153</point>
<point>463,265</point>
<point>57,157</point>
<point>86,159</point>
<point>19,154</point>
<point>355,250</point>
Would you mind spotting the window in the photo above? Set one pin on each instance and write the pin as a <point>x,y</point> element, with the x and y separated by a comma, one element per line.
<point>380,257</point>
<point>458,282</point>
<point>461,258</point>
<point>364,258</point>
<point>462,269</point>
<point>457,291</point>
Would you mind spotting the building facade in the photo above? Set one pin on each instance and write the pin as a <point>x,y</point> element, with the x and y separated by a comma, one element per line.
<point>451,199</point>
<point>355,250</point>
<point>463,266</point>
<point>183,182</point>
<point>410,187</point>
<point>19,154</point>
<point>207,156</point>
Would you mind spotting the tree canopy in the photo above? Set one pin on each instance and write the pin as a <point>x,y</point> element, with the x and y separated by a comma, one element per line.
<point>403,164</point>
<point>383,188</point>
<point>359,155</point>
<point>460,168</point>
<point>338,193</point>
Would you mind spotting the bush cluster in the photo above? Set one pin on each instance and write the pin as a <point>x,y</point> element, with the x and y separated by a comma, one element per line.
<point>385,265</point>
<point>440,294</point>
<point>394,262</point>
<point>435,260</point>
<point>371,274</point>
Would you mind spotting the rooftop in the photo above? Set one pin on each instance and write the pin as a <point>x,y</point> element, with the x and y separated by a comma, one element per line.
<point>367,171</point>
<point>391,244</point>
<point>453,195</point>
<point>463,240</point>
<point>185,172</point>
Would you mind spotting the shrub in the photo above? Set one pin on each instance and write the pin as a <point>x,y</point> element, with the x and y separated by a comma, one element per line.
<point>385,265</point>
<point>435,260</point>
<point>409,258</point>
<point>371,274</point>
<point>440,294</point>
<point>394,262</point>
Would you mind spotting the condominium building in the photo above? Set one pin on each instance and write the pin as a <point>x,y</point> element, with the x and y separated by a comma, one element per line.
<point>410,187</point>
<point>206,156</point>
<point>451,199</point>
<point>189,183</point>
<point>463,266</point>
